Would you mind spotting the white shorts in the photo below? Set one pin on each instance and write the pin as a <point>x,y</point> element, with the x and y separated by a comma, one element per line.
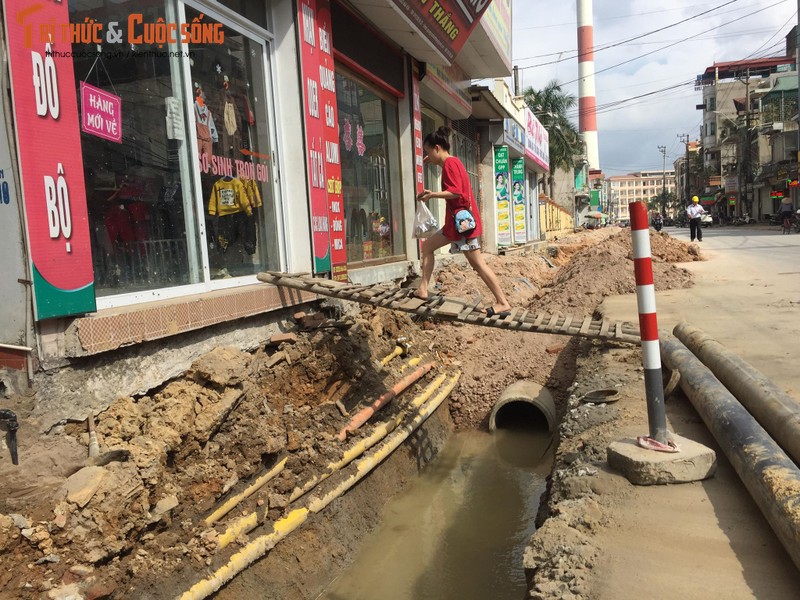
<point>464,245</point>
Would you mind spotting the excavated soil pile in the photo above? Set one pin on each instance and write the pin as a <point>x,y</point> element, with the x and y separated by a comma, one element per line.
<point>131,519</point>
<point>596,264</point>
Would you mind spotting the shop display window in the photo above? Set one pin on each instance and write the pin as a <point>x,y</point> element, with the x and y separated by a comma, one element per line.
<point>230,114</point>
<point>185,194</point>
<point>140,204</point>
<point>370,172</point>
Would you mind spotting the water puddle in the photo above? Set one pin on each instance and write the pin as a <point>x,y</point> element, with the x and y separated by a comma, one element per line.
<point>460,531</point>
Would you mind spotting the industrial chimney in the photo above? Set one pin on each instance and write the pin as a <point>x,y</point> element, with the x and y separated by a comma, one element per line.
<point>587,104</point>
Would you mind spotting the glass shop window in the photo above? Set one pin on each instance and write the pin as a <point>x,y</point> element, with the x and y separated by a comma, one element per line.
<point>370,172</point>
<point>139,194</point>
<point>231,116</point>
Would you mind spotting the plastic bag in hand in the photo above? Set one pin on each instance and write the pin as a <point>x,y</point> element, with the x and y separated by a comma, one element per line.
<point>425,224</point>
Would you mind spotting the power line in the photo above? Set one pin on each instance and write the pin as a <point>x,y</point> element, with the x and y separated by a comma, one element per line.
<point>732,34</point>
<point>637,37</point>
<point>627,16</point>
<point>676,43</point>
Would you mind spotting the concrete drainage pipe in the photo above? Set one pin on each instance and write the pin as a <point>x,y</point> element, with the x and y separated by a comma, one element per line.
<point>521,404</point>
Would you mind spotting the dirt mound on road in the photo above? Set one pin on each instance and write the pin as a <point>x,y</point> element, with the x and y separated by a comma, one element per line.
<point>606,269</point>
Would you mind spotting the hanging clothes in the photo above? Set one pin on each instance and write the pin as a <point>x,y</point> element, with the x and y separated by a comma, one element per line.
<point>228,197</point>
<point>253,193</point>
<point>206,130</point>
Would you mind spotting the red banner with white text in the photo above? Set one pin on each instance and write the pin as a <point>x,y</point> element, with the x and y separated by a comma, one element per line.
<point>51,163</point>
<point>445,23</point>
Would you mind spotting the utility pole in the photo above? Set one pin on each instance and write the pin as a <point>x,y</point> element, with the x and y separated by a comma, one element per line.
<point>663,150</point>
<point>744,166</point>
<point>684,137</point>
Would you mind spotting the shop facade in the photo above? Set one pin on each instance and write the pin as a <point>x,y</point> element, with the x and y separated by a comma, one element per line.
<point>167,153</point>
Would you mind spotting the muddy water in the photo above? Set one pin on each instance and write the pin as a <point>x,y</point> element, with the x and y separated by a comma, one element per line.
<point>460,530</point>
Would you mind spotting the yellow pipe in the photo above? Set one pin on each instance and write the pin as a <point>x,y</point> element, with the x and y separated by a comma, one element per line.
<point>258,547</point>
<point>250,522</point>
<point>413,362</point>
<point>396,352</point>
<point>234,500</point>
<point>380,432</point>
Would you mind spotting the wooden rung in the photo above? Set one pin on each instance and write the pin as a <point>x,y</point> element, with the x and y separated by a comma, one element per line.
<point>604,328</point>
<point>511,318</point>
<point>469,309</point>
<point>431,304</point>
<point>567,323</point>
<point>521,318</point>
<point>383,294</point>
<point>587,322</point>
<point>393,297</point>
<point>553,321</point>
<point>539,318</point>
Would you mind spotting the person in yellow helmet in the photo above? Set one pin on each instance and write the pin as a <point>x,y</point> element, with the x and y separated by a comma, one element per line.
<point>694,211</point>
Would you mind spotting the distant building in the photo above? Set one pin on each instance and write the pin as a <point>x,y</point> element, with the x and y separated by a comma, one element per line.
<point>637,187</point>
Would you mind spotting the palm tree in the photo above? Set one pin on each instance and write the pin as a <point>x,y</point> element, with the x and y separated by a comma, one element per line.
<point>550,105</point>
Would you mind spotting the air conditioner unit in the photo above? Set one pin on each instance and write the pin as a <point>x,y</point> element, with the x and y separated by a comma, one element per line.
<point>777,127</point>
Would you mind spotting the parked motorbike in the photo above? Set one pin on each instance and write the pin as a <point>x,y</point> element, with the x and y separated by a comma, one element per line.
<point>744,219</point>
<point>658,223</point>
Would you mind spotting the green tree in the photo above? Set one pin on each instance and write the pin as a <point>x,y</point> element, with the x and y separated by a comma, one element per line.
<point>551,105</point>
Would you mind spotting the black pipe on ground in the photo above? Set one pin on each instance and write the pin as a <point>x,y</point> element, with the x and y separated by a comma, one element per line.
<point>772,479</point>
<point>777,412</point>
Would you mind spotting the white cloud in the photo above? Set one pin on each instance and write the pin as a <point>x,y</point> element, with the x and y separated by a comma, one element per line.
<point>631,133</point>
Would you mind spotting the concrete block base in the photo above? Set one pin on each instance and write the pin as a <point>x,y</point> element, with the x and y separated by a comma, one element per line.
<point>640,466</point>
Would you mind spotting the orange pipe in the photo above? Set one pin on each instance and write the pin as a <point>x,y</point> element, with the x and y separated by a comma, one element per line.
<point>364,414</point>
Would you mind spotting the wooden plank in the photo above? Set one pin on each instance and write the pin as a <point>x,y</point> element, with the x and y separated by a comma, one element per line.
<point>329,283</point>
<point>551,325</point>
<point>521,318</point>
<point>469,309</point>
<point>381,295</point>
<point>430,305</point>
<point>510,319</point>
<point>604,328</point>
<point>567,323</point>
<point>396,295</point>
<point>353,288</point>
<point>410,304</point>
<point>587,322</point>
<point>539,319</point>
<point>451,308</point>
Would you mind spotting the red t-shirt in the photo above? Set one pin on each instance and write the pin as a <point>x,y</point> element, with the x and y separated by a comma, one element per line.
<point>456,180</point>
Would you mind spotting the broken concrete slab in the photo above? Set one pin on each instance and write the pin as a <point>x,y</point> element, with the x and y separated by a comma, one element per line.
<point>81,486</point>
<point>693,462</point>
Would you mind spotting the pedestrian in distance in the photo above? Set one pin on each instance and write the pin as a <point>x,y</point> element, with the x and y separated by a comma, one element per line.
<point>461,208</point>
<point>694,211</point>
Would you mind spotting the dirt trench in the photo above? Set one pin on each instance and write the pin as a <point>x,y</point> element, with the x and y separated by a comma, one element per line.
<point>132,526</point>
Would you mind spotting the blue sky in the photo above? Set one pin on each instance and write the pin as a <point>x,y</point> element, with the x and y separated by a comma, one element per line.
<point>630,133</point>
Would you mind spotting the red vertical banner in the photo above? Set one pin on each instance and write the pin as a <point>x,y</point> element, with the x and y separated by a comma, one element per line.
<point>333,167</point>
<point>315,134</point>
<point>51,161</point>
<point>419,173</point>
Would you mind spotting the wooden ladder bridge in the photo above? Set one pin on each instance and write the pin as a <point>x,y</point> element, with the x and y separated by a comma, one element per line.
<point>448,308</point>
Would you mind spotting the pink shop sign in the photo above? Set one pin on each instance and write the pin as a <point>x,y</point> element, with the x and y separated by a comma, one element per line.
<point>101,113</point>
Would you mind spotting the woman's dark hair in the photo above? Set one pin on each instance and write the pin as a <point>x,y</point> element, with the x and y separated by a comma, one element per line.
<point>440,137</point>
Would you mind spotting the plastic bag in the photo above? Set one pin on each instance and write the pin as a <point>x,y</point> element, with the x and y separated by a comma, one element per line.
<point>425,224</point>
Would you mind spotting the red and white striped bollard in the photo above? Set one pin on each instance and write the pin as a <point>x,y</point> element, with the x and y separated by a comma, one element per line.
<point>648,328</point>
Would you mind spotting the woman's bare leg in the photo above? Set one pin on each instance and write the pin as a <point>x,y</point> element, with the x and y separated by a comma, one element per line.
<point>429,246</point>
<point>476,261</point>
